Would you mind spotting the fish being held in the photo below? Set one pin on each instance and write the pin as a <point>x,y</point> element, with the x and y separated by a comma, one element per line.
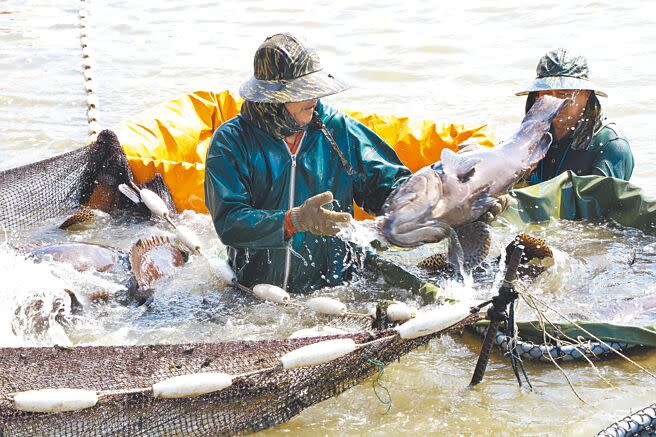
<point>458,189</point>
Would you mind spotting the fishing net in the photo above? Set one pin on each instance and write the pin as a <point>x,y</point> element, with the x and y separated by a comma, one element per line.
<point>88,176</point>
<point>262,394</point>
<point>546,353</point>
<point>640,423</point>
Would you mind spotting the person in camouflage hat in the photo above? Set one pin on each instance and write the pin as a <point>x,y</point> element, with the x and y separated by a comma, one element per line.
<point>584,141</point>
<point>281,177</point>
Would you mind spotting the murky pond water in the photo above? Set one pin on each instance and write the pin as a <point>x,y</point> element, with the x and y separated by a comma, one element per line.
<point>448,62</point>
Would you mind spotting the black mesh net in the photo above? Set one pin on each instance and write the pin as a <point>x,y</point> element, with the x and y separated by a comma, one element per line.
<point>264,395</point>
<point>58,186</point>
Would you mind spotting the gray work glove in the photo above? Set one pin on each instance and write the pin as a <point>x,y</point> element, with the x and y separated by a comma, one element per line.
<point>500,205</point>
<point>311,217</point>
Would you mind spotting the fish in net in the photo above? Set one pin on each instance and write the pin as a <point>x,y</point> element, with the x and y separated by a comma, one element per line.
<point>87,177</point>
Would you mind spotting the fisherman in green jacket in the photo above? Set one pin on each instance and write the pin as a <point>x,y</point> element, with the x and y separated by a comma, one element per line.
<point>281,177</point>
<point>584,141</point>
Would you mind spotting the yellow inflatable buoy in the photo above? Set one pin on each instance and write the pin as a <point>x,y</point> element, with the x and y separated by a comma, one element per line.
<point>172,139</point>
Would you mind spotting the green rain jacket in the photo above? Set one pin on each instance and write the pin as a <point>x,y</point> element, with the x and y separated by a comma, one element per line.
<point>251,180</point>
<point>608,154</point>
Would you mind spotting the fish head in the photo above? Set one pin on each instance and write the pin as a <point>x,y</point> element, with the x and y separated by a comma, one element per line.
<point>412,211</point>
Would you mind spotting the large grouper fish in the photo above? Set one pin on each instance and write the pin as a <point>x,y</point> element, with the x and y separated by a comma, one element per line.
<point>446,198</point>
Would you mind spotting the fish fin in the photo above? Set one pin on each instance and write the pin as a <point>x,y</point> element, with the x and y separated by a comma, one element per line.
<point>475,239</point>
<point>99,295</point>
<point>462,167</point>
<point>129,193</point>
<point>454,254</point>
<point>537,256</point>
<point>82,215</point>
<point>76,305</point>
<point>144,268</point>
<point>437,263</point>
<point>469,147</point>
<point>483,202</point>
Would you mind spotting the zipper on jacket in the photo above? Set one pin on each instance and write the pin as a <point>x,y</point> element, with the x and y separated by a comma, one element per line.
<point>292,192</point>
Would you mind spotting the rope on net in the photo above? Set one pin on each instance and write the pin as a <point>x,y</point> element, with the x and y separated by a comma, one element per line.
<point>642,422</point>
<point>89,82</point>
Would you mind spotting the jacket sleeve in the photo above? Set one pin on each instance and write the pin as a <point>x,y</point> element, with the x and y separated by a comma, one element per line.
<point>229,199</point>
<point>614,159</point>
<point>380,171</point>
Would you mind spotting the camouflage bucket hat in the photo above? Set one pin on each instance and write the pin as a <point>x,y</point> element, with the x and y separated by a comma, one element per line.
<point>559,70</point>
<point>285,71</point>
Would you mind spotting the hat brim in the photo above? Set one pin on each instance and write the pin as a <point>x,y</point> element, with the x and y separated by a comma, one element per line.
<point>561,83</point>
<point>311,86</point>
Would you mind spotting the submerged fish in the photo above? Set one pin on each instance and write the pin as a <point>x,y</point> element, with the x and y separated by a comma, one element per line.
<point>84,256</point>
<point>458,189</point>
<point>147,262</point>
<point>536,259</point>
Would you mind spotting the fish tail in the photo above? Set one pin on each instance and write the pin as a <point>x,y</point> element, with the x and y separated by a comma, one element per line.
<point>82,215</point>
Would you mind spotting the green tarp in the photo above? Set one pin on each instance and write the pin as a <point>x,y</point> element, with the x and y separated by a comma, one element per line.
<point>645,336</point>
<point>591,198</point>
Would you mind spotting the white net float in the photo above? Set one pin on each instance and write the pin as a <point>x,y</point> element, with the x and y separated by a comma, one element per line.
<point>55,400</point>
<point>92,100</point>
<point>192,385</point>
<point>433,321</point>
<point>271,293</point>
<point>92,114</point>
<point>318,353</point>
<point>399,312</point>
<point>326,305</point>
<point>188,238</point>
<point>222,270</point>
<point>94,127</point>
<point>154,203</point>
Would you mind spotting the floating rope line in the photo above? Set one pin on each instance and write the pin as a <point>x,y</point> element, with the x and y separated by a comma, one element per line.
<point>567,352</point>
<point>89,83</point>
<point>642,422</point>
<point>191,385</point>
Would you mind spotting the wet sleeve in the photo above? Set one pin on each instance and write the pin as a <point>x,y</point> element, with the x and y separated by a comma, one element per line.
<point>229,200</point>
<point>615,159</point>
<point>380,171</point>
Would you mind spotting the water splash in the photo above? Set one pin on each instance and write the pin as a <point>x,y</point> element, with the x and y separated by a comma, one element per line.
<point>33,298</point>
<point>362,232</point>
